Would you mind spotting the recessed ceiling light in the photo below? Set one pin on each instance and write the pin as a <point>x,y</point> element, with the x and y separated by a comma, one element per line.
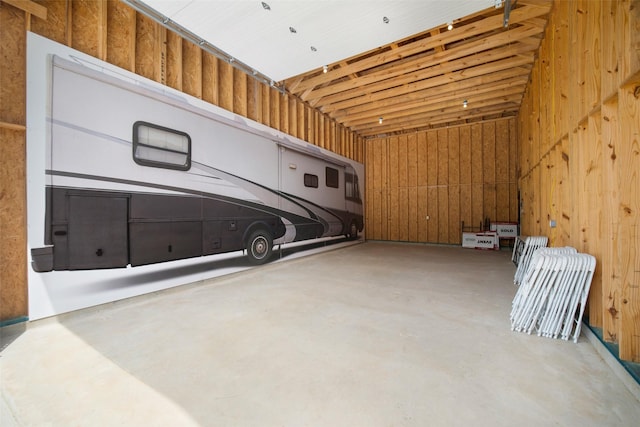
<point>380,120</point>
<point>265,6</point>
<point>464,104</point>
<point>293,30</point>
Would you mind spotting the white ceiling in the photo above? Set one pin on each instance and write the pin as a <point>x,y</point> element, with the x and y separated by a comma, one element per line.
<point>337,29</point>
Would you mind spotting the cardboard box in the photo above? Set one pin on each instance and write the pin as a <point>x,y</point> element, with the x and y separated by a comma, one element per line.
<point>505,230</point>
<point>481,240</point>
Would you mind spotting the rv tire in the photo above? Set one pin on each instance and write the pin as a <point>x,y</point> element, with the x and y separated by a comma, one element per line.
<point>353,231</point>
<point>259,247</point>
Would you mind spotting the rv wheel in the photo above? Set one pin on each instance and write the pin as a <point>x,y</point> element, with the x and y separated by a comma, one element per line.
<point>259,247</point>
<point>353,231</point>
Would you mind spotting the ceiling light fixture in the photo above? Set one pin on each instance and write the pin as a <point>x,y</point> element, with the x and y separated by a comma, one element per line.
<point>325,69</point>
<point>385,19</point>
<point>450,26</point>
<point>464,104</point>
<point>380,120</point>
<point>265,6</point>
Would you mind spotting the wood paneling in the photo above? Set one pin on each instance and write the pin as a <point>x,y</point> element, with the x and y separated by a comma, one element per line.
<point>121,35</point>
<point>13,242</point>
<point>174,62</point>
<point>89,27</point>
<point>585,174</point>
<point>191,69</point>
<point>435,180</point>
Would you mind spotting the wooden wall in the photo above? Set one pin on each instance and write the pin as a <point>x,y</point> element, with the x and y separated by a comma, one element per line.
<point>580,153</point>
<point>421,187</point>
<point>111,31</point>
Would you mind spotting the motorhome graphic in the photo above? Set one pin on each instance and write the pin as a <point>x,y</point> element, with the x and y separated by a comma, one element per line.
<point>137,175</point>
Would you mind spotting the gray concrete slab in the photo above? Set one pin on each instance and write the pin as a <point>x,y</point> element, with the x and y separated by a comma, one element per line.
<point>376,334</point>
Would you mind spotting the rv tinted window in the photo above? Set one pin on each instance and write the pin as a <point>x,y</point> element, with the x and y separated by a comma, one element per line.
<point>310,180</point>
<point>161,147</point>
<point>351,188</point>
<point>332,177</point>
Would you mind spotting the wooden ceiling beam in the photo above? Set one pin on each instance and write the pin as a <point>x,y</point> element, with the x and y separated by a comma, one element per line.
<point>440,119</point>
<point>481,84</point>
<point>508,86</point>
<point>481,51</point>
<point>502,59</point>
<point>513,94</point>
<point>437,84</point>
<point>518,15</point>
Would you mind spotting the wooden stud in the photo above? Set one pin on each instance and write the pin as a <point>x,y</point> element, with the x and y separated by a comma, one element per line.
<point>174,64</point>
<point>239,92</point>
<point>121,35</point>
<point>210,75</point>
<point>13,209</point>
<point>191,69</point>
<point>56,26</point>
<point>225,85</point>
<point>628,177</point>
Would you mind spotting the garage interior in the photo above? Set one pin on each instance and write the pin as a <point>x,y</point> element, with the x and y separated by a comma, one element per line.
<point>535,120</point>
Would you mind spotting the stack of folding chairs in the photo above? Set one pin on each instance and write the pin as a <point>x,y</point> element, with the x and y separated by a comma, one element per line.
<point>522,253</point>
<point>553,292</point>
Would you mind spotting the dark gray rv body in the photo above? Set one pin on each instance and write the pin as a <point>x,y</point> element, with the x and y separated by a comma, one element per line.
<point>137,175</point>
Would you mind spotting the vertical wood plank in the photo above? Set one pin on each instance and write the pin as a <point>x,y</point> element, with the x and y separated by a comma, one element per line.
<point>465,176</point>
<point>443,182</point>
<point>210,76</point>
<point>412,186</point>
<point>489,169</point>
<point>611,274</point>
<point>191,69</point>
<point>593,51</point>
<point>87,26</point>
<point>432,186</point>
<point>13,205</point>
<point>393,216</point>
<point>284,113</point>
<point>13,75</point>
<point>311,125</point>
<point>148,48</point>
<point>175,61</point>
<point>422,165</point>
<point>594,196</point>
<point>266,105</point>
<point>274,108</point>
<point>564,225</point>
<point>403,196</point>
<point>225,85</point>
<point>57,26</point>
<point>239,92</point>
<point>254,103</point>
<point>121,35</point>
<point>628,174</point>
<point>502,145</point>
<point>13,214</point>
<point>477,176</point>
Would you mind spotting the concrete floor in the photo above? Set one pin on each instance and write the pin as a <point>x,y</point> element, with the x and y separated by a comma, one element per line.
<point>375,334</point>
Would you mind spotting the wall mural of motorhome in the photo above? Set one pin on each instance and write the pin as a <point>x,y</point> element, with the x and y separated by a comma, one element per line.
<point>137,174</point>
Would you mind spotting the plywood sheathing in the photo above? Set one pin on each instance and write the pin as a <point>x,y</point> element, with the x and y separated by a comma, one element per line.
<point>584,173</point>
